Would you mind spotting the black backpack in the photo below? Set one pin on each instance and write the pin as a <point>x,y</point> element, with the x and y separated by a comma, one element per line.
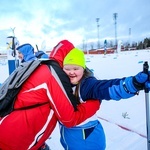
<point>12,85</point>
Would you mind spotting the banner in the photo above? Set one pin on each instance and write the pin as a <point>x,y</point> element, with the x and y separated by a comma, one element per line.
<point>12,43</point>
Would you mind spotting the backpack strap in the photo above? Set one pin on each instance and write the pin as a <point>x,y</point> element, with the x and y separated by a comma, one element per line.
<point>64,80</point>
<point>18,76</point>
<point>39,55</point>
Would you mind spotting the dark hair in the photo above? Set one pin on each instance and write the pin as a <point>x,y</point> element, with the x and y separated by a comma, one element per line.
<point>87,73</point>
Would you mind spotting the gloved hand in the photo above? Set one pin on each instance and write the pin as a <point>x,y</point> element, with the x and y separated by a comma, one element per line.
<point>147,85</point>
<point>141,80</point>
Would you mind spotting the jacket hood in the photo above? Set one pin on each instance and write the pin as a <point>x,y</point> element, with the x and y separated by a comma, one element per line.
<point>28,52</point>
<point>60,51</point>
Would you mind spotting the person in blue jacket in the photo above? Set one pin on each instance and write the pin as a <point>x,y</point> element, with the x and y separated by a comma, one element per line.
<point>26,53</point>
<point>90,135</point>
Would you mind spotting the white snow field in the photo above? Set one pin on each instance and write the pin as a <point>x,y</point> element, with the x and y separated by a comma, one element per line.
<point>124,121</point>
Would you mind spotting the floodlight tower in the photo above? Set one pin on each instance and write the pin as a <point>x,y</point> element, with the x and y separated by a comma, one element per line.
<point>130,37</point>
<point>98,42</point>
<point>115,15</point>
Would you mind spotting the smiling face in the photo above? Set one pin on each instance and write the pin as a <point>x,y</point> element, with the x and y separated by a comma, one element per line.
<point>74,72</point>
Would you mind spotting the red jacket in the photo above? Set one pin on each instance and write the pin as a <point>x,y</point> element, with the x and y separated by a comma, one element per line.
<point>44,94</point>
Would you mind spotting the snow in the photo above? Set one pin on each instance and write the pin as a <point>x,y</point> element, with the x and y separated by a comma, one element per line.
<point>124,121</point>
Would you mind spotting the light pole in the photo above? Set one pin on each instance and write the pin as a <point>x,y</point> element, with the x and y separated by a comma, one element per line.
<point>130,37</point>
<point>83,44</point>
<point>98,42</point>
<point>115,15</point>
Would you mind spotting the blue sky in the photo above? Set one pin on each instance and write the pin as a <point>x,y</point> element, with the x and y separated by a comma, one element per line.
<point>36,21</point>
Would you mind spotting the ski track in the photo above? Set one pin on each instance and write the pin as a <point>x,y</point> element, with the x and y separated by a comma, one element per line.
<point>123,127</point>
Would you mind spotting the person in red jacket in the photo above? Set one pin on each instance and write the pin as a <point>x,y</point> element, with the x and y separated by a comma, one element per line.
<point>44,98</point>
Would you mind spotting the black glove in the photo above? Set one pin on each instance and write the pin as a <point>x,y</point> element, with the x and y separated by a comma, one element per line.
<point>141,80</point>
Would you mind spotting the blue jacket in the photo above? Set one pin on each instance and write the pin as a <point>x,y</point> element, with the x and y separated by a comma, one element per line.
<point>90,134</point>
<point>115,89</point>
<point>28,52</point>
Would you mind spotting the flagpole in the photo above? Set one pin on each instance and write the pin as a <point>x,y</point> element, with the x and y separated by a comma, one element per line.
<point>11,54</point>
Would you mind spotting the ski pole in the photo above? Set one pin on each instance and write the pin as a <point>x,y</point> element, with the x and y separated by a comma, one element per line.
<point>37,47</point>
<point>145,69</point>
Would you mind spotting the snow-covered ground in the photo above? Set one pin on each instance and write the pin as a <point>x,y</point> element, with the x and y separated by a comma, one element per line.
<point>124,121</point>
